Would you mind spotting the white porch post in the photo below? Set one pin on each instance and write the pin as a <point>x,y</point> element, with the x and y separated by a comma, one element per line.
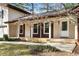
<point>40,30</point>
<point>76,31</point>
<point>31,31</point>
<point>49,30</point>
<point>18,30</point>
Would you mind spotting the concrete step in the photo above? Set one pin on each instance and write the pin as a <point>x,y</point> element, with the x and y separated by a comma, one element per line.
<point>67,41</point>
<point>64,47</point>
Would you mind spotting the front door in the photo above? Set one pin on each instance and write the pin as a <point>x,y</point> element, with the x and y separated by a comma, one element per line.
<point>64,29</point>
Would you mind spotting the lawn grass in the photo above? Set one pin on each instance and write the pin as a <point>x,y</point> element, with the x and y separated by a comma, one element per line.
<point>13,50</point>
<point>20,49</point>
<point>30,50</point>
<point>1,39</point>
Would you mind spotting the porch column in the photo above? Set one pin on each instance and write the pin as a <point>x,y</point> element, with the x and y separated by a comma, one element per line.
<point>76,31</point>
<point>49,30</point>
<point>18,30</point>
<point>31,31</point>
<point>40,30</point>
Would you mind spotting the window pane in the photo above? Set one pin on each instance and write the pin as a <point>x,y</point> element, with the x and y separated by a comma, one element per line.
<point>46,27</point>
<point>1,13</point>
<point>35,28</point>
<point>64,26</point>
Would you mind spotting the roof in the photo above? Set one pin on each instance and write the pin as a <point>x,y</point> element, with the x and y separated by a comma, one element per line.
<point>12,21</point>
<point>51,14</point>
<point>75,9</point>
<point>47,14</point>
<point>18,9</point>
<point>43,15</point>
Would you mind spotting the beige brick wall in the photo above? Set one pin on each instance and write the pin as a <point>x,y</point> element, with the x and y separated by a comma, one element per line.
<point>13,30</point>
<point>71,30</point>
<point>56,30</point>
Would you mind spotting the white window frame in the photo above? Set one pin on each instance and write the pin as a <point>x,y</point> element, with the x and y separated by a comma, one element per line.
<point>22,28</point>
<point>44,28</point>
<point>63,20</point>
<point>37,28</point>
<point>67,26</point>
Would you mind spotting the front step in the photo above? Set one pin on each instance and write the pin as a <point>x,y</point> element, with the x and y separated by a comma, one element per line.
<point>68,41</point>
<point>67,45</point>
<point>64,47</point>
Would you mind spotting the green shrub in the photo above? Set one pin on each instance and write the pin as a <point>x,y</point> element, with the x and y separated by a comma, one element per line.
<point>5,37</point>
<point>13,39</point>
<point>1,39</point>
<point>39,40</point>
<point>41,48</point>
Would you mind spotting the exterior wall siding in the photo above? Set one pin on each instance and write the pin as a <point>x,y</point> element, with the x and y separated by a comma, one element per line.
<point>13,14</point>
<point>4,30</point>
<point>9,14</point>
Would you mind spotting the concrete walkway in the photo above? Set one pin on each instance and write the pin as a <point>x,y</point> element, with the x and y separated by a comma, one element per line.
<point>62,47</point>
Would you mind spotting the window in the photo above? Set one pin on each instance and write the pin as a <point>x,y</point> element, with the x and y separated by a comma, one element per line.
<point>46,28</point>
<point>21,29</point>
<point>1,13</point>
<point>35,29</point>
<point>64,26</point>
<point>3,26</point>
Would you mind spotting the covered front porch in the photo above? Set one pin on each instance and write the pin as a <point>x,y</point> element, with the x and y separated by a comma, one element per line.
<point>56,28</point>
<point>46,26</point>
